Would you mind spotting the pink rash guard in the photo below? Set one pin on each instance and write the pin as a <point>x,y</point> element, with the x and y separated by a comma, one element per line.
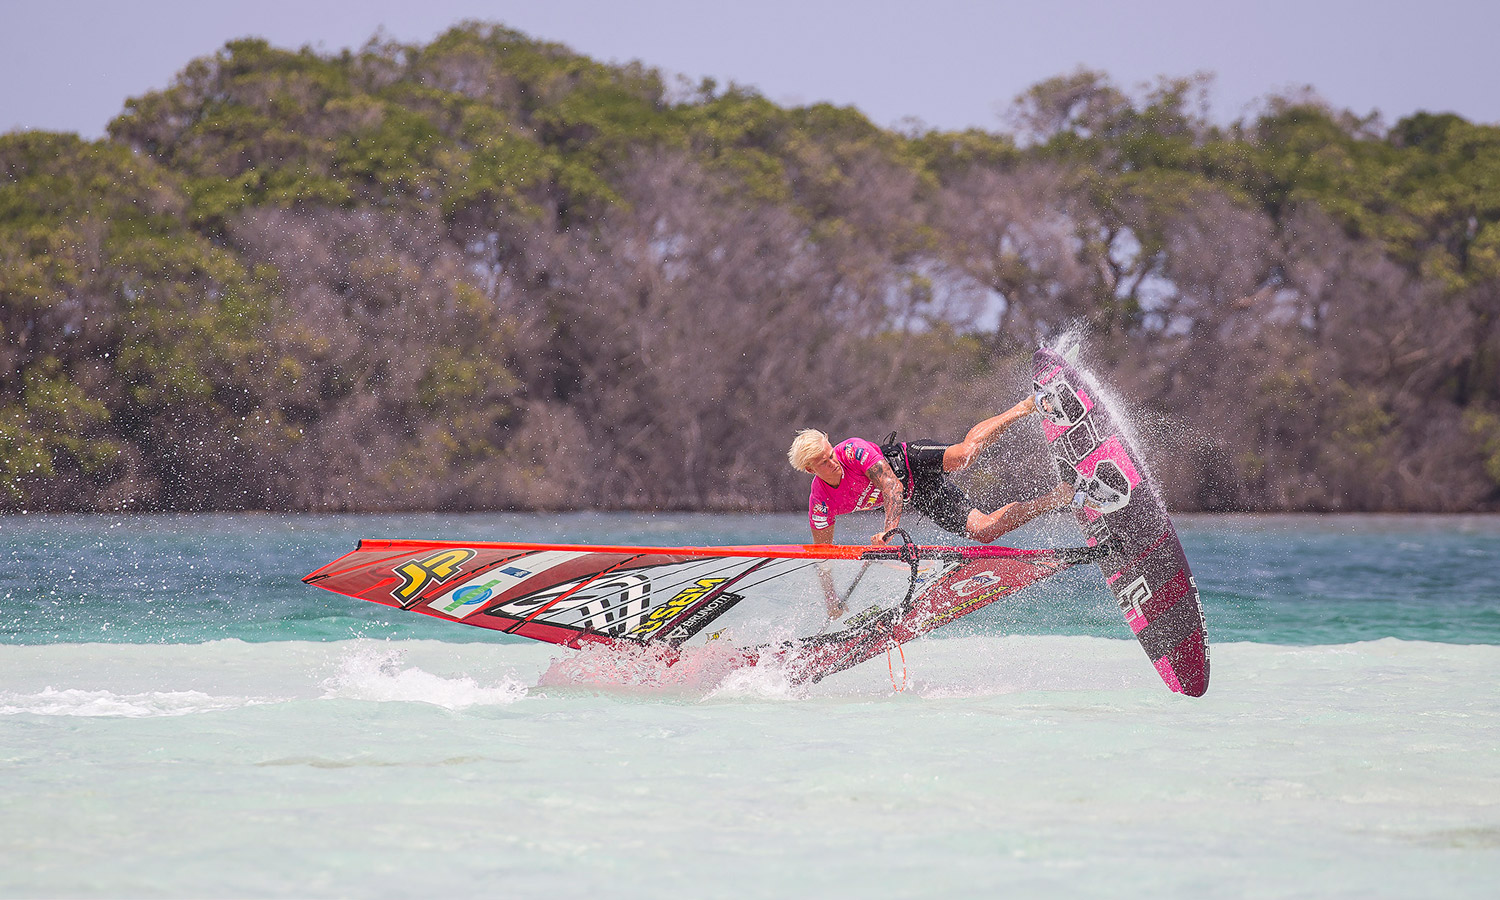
<point>855,492</point>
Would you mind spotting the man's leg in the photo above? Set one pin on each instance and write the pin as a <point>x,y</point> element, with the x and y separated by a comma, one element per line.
<point>960,455</point>
<point>985,527</point>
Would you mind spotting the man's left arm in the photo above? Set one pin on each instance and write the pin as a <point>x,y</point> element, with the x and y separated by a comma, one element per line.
<point>884,477</point>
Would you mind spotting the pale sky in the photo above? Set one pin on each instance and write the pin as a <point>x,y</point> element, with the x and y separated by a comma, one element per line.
<point>69,65</point>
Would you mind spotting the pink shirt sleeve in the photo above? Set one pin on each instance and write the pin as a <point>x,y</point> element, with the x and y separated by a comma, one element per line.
<point>859,454</point>
<point>819,516</point>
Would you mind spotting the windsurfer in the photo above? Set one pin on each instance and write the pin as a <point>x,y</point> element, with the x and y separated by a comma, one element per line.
<point>857,475</point>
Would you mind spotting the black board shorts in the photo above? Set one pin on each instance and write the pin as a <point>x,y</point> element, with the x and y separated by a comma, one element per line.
<point>919,466</point>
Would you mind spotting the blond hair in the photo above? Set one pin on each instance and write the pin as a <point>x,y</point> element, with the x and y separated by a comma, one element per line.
<point>807,444</point>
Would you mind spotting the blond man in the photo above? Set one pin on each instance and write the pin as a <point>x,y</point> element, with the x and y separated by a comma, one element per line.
<point>857,475</point>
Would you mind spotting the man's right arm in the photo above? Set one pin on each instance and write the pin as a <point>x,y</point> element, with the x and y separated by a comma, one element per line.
<point>825,577</point>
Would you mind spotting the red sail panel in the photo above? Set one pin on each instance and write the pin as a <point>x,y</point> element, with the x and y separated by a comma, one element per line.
<point>965,589</point>
<point>666,596</point>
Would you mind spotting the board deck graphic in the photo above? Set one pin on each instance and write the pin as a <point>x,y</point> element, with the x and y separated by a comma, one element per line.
<point>1145,566</point>
<point>668,597</point>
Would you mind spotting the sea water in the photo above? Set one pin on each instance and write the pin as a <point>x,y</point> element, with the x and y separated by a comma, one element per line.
<point>181,717</point>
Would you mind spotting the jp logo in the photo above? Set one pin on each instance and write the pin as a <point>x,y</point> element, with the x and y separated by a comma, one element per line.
<point>1135,596</point>
<point>435,568</point>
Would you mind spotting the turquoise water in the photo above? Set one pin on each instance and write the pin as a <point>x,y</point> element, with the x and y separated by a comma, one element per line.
<point>1266,579</point>
<point>181,717</point>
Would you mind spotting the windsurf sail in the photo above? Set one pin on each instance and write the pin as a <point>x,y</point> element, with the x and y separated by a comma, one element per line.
<point>765,601</point>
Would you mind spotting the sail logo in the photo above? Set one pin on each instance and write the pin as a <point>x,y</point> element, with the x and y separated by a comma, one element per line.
<point>609,605</point>
<point>617,606</point>
<point>472,595</point>
<point>661,615</point>
<point>976,583</point>
<point>862,618</point>
<point>434,568</point>
<point>462,601</point>
<point>929,571</point>
<point>698,619</point>
<point>971,603</point>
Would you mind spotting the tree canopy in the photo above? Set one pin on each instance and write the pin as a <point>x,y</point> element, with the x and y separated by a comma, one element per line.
<point>489,272</point>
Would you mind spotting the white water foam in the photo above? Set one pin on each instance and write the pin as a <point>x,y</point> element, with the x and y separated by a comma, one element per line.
<point>377,673</point>
<point>766,680</point>
<point>75,702</point>
<point>691,671</point>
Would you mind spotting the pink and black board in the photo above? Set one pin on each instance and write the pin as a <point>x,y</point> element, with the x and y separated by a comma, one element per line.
<point>1146,568</point>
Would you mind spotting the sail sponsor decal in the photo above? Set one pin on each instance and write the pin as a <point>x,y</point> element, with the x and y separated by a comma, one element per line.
<point>432,569</point>
<point>971,603</point>
<point>975,583</point>
<point>700,617</point>
<point>857,620</point>
<point>658,618</point>
<point>639,603</point>
<point>475,593</point>
<point>609,604</point>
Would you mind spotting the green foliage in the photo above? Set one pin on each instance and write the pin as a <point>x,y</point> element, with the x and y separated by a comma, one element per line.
<point>1486,427</point>
<point>1428,190</point>
<point>946,153</point>
<point>481,116</point>
<point>1362,428</point>
<point>504,169</point>
<point>282,250</point>
<point>121,311</point>
<point>50,429</point>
